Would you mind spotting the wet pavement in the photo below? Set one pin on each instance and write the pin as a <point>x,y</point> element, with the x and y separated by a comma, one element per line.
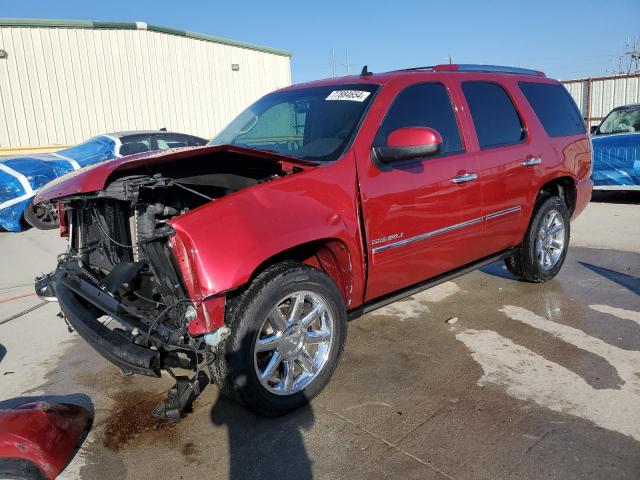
<point>482,377</point>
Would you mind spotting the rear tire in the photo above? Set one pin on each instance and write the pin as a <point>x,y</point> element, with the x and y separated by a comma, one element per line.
<point>542,253</point>
<point>272,362</point>
<point>42,216</point>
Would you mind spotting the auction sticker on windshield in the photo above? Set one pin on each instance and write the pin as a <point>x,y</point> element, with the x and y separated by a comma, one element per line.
<point>349,95</point>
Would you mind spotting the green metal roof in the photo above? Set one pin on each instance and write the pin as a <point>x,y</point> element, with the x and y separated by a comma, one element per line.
<point>47,23</point>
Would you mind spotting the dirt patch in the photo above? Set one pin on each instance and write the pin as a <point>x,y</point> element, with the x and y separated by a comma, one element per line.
<point>131,420</point>
<point>190,450</point>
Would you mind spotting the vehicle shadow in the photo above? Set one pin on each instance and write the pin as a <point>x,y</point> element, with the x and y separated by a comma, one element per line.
<point>498,269</point>
<point>631,197</point>
<point>630,282</point>
<point>264,448</point>
<point>3,352</point>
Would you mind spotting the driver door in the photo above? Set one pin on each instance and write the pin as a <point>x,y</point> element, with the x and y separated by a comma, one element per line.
<point>420,220</point>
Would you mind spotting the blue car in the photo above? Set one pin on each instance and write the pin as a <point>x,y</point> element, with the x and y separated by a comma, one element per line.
<point>22,175</point>
<point>616,150</point>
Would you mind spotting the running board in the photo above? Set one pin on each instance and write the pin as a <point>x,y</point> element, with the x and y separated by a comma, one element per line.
<point>432,282</point>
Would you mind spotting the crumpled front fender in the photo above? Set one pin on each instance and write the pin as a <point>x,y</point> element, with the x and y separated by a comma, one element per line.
<point>225,241</point>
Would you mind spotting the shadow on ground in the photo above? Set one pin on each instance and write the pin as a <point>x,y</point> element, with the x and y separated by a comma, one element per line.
<point>264,448</point>
<point>628,197</point>
<point>629,282</point>
<point>498,269</point>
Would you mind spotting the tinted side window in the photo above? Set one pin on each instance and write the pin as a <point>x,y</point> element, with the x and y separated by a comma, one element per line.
<point>135,144</point>
<point>167,141</point>
<point>195,141</point>
<point>494,116</point>
<point>555,108</point>
<point>423,105</point>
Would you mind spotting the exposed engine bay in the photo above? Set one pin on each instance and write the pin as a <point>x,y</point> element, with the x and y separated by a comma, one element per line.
<point>119,265</point>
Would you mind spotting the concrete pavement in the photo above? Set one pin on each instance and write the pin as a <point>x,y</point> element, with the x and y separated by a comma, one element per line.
<point>483,377</point>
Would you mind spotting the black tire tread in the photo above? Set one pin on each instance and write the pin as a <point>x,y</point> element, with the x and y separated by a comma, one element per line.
<point>234,314</point>
<point>237,307</point>
<point>521,263</point>
<point>30,217</point>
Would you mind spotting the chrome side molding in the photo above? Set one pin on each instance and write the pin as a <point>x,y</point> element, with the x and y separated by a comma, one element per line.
<point>450,228</point>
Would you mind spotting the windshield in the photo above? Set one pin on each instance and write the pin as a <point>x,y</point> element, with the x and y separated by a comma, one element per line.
<point>626,120</point>
<point>309,123</point>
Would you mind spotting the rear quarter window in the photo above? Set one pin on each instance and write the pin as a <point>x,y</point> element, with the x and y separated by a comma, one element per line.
<point>555,108</point>
<point>495,118</point>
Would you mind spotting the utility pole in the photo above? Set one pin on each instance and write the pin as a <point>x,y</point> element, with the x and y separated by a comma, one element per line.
<point>629,61</point>
<point>348,64</point>
<point>333,62</point>
<point>633,53</point>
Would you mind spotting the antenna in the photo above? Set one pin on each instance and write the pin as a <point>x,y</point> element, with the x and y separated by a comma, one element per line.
<point>365,72</point>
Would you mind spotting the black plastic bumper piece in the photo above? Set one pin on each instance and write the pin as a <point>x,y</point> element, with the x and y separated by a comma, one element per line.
<point>112,345</point>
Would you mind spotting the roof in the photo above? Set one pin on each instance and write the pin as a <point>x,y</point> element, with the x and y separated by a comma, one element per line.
<point>631,106</point>
<point>91,24</point>
<point>127,133</point>
<point>446,69</point>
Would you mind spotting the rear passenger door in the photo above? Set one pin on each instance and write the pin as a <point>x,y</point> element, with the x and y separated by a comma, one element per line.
<point>507,158</point>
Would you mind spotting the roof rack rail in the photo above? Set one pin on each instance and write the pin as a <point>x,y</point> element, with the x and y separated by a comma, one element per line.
<point>469,67</point>
<point>430,67</point>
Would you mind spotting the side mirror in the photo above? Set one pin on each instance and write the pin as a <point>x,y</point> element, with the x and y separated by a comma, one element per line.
<point>593,129</point>
<point>408,143</point>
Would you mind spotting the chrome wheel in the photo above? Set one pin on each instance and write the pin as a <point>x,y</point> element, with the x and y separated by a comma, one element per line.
<point>293,343</point>
<point>550,240</point>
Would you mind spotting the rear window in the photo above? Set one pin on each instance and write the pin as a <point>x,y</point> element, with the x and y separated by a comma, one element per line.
<point>494,116</point>
<point>555,108</point>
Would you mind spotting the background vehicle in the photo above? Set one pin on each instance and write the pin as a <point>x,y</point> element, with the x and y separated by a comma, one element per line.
<point>321,202</point>
<point>22,175</point>
<point>616,150</point>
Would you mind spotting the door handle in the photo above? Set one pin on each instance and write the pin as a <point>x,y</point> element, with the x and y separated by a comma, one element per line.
<point>530,162</point>
<point>464,178</point>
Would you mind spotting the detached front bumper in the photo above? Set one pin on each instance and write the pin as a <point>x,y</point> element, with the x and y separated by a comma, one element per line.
<point>82,305</point>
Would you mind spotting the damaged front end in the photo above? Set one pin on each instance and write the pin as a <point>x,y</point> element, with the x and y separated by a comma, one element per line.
<point>125,284</point>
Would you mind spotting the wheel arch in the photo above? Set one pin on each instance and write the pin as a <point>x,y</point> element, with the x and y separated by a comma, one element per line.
<point>330,255</point>
<point>563,187</point>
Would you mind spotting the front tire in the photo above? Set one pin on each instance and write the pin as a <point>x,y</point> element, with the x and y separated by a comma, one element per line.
<point>287,334</point>
<point>43,216</point>
<point>542,253</point>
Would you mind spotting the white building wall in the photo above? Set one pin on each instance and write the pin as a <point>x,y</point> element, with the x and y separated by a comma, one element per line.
<point>596,97</point>
<point>60,86</point>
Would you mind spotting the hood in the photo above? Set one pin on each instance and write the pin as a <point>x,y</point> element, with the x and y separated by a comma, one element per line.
<point>35,164</point>
<point>616,140</point>
<point>95,177</point>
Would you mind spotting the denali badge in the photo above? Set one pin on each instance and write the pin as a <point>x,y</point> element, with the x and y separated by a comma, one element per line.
<point>387,238</point>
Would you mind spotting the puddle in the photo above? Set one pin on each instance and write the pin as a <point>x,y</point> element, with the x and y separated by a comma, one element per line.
<point>131,420</point>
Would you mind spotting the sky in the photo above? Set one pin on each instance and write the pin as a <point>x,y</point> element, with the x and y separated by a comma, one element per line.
<point>565,39</point>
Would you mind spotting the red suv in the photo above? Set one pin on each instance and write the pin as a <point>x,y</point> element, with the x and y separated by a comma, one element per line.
<point>319,203</point>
